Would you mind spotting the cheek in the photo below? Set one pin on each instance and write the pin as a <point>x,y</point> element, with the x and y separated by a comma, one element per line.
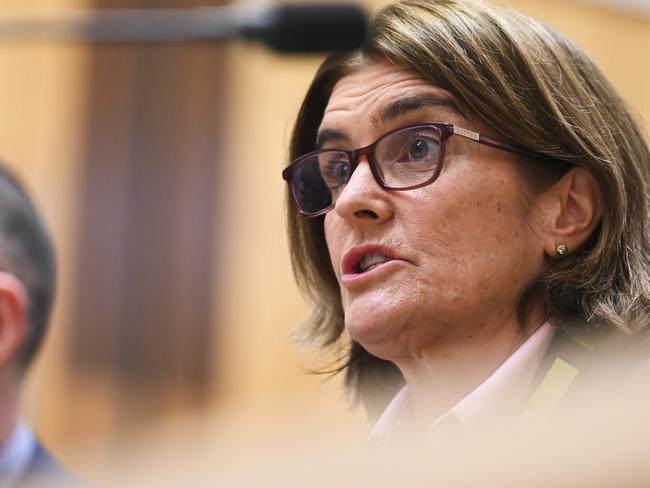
<point>477,231</point>
<point>488,205</point>
<point>334,240</point>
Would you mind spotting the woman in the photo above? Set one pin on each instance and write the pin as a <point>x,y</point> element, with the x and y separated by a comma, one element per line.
<point>471,193</point>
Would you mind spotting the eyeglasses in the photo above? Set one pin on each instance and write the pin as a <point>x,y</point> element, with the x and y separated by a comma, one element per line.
<point>403,159</point>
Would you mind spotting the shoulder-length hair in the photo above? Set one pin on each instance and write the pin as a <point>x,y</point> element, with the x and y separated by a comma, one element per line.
<point>533,87</point>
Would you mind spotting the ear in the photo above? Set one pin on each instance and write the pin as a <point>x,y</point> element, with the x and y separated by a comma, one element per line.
<point>13,316</point>
<point>573,209</point>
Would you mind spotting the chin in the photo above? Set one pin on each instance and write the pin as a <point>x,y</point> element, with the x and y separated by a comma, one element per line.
<point>379,333</point>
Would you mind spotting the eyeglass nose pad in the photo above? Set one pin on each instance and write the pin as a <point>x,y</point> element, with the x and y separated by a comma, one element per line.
<point>366,178</point>
<point>362,197</point>
<point>375,169</point>
<point>356,163</point>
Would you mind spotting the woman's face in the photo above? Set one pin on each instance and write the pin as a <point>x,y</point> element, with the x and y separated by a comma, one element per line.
<point>462,250</point>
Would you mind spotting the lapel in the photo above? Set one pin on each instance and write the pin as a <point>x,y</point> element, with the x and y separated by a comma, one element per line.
<point>576,371</point>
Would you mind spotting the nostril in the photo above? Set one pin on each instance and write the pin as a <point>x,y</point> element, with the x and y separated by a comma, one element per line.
<point>366,214</point>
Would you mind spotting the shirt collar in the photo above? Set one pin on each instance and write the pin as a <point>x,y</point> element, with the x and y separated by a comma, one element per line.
<point>16,453</point>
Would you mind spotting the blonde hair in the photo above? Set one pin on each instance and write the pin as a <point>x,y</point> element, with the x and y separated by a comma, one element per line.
<point>533,87</point>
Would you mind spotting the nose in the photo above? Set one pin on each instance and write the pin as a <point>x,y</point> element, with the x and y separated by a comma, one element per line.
<point>363,200</point>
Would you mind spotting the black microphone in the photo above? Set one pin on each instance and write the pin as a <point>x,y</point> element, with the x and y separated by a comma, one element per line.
<point>307,28</point>
<point>298,28</point>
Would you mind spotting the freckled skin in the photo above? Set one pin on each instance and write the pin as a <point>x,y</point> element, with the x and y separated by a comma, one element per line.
<point>471,239</point>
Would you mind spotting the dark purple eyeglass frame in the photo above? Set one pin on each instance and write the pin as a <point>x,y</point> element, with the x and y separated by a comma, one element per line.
<point>445,131</point>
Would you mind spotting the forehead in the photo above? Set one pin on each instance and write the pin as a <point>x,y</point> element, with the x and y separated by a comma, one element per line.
<point>372,84</point>
<point>380,92</point>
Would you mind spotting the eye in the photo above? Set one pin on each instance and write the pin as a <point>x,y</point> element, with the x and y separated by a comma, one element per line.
<point>422,148</point>
<point>336,173</point>
<point>341,172</point>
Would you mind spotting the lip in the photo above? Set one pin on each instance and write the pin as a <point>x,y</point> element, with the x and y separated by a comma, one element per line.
<point>350,264</point>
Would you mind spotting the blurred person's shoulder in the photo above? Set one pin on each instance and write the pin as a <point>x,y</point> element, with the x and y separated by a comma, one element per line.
<point>45,470</point>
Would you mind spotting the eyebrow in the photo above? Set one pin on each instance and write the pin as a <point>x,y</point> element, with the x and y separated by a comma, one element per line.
<point>391,112</point>
<point>412,104</point>
<point>328,135</point>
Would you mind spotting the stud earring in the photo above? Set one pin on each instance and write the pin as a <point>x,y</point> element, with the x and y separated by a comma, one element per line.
<point>561,250</point>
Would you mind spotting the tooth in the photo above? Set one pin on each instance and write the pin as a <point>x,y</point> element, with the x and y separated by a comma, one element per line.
<point>370,260</point>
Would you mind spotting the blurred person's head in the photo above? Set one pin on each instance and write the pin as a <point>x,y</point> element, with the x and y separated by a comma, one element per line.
<point>27,281</point>
<point>545,218</point>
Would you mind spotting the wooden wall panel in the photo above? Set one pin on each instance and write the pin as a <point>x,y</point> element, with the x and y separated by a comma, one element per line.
<point>148,193</point>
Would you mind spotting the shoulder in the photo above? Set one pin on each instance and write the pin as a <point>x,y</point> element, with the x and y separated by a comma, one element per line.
<point>636,375</point>
<point>43,467</point>
<point>616,369</point>
<point>43,461</point>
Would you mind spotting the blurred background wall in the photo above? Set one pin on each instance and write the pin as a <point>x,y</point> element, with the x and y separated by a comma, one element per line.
<point>157,169</point>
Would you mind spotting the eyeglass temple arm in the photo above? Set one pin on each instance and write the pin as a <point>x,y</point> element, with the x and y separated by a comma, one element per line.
<point>488,141</point>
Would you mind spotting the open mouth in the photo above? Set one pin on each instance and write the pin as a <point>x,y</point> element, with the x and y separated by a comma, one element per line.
<point>364,259</point>
<point>371,261</point>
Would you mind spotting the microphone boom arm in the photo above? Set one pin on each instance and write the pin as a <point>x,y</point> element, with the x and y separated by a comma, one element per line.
<point>288,27</point>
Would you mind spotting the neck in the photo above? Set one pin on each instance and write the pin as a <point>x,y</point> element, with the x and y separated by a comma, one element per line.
<point>441,375</point>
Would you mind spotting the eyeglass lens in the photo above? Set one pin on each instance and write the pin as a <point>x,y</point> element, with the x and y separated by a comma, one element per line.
<point>402,159</point>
